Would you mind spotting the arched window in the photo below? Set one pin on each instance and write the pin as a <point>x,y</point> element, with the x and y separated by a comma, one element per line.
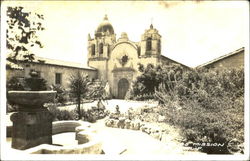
<point>93,49</point>
<point>159,46</point>
<point>149,44</point>
<point>101,48</point>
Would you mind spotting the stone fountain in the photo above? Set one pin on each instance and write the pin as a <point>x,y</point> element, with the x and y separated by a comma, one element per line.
<point>32,123</point>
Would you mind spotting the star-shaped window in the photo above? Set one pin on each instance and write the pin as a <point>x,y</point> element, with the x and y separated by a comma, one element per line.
<point>124,59</point>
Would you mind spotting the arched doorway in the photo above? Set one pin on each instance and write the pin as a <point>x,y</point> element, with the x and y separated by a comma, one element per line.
<point>123,86</point>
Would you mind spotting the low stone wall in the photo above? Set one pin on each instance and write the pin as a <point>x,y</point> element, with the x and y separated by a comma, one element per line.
<point>59,126</point>
<point>67,126</point>
<point>152,130</point>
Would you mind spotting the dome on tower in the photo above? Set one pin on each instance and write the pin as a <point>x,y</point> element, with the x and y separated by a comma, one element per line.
<point>105,26</point>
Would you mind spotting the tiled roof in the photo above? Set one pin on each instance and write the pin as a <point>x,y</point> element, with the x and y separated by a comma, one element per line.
<point>61,63</point>
<point>221,57</point>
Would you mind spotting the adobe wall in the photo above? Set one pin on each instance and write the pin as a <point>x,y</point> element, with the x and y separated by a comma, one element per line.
<point>48,73</point>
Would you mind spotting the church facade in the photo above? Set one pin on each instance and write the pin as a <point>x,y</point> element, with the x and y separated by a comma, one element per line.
<point>117,59</point>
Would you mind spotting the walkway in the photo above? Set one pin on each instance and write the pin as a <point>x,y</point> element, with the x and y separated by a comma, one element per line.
<point>126,141</point>
<point>124,105</point>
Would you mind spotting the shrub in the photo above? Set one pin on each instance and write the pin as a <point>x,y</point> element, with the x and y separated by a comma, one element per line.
<point>35,82</point>
<point>209,125</point>
<point>62,96</point>
<point>207,105</point>
<point>20,84</point>
<point>62,114</point>
<point>95,113</point>
<point>97,91</point>
<point>151,78</point>
<point>15,84</point>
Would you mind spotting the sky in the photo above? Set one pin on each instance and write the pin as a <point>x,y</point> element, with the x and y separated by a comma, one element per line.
<point>193,32</point>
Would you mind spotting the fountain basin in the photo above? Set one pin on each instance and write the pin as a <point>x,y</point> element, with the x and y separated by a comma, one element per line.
<point>31,99</point>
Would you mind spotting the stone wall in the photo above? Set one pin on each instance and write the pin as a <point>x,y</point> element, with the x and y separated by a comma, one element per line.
<point>101,66</point>
<point>48,72</point>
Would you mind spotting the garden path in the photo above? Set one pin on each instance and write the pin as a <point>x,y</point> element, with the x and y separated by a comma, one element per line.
<point>133,142</point>
<point>124,105</point>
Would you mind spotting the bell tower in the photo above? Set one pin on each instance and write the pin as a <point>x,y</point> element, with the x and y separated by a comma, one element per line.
<point>151,43</point>
<point>99,47</point>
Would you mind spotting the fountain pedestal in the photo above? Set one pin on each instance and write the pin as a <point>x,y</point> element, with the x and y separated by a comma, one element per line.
<point>32,123</point>
<point>31,128</point>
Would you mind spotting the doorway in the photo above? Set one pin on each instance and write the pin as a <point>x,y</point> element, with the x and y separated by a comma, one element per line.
<point>123,86</point>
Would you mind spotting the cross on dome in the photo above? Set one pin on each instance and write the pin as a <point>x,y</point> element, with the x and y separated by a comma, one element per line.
<point>105,17</point>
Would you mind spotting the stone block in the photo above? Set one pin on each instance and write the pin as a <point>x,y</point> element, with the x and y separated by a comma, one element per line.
<point>142,127</point>
<point>127,124</point>
<point>164,138</point>
<point>110,122</point>
<point>84,137</point>
<point>83,128</point>
<point>31,128</point>
<point>148,130</point>
<point>132,124</point>
<point>137,125</point>
<point>121,122</point>
<point>116,123</point>
<point>156,135</point>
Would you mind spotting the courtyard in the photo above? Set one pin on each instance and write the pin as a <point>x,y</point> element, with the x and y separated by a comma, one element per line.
<point>116,141</point>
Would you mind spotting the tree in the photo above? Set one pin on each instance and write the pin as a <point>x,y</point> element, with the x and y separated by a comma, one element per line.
<point>78,87</point>
<point>22,33</point>
<point>151,77</point>
<point>97,91</point>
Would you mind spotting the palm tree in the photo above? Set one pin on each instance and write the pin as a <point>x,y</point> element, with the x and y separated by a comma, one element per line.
<point>78,87</point>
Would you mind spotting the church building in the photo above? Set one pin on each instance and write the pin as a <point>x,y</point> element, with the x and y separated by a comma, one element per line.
<point>116,60</point>
<point>112,61</point>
